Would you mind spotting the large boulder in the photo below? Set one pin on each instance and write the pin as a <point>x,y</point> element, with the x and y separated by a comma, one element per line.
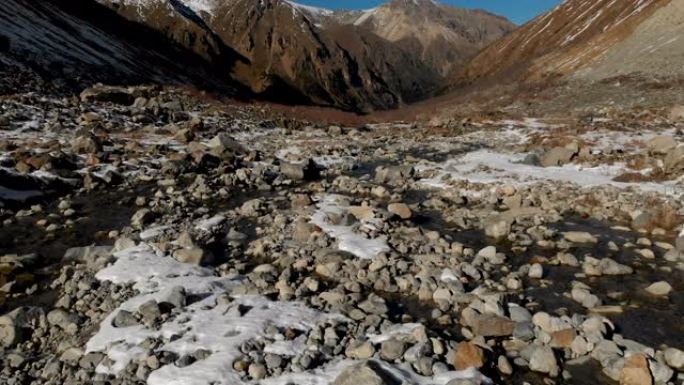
<point>223,145</point>
<point>17,325</point>
<point>676,113</point>
<point>636,371</point>
<point>557,156</point>
<point>300,171</point>
<point>468,355</point>
<point>86,145</point>
<point>395,176</point>
<point>661,144</point>
<point>674,160</point>
<point>94,257</point>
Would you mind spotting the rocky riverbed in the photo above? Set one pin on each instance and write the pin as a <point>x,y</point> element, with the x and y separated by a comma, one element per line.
<point>152,237</point>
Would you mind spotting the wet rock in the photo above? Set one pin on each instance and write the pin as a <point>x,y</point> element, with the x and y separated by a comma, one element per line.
<point>366,373</point>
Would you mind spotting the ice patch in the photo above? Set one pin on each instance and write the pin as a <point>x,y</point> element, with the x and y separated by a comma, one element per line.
<point>348,240</point>
<point>18,195</point>
<point>217,328</point>
<point>489,167</point>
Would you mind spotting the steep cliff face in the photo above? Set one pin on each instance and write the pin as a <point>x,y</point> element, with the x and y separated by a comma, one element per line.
<point>575,37</point>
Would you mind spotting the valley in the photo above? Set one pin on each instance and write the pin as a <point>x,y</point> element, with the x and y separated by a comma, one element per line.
<point>232,192</point>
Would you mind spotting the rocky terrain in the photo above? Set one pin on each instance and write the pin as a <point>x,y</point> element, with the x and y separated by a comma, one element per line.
<point>152,236</point>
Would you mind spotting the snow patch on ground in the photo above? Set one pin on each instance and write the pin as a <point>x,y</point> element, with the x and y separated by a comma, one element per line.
<point>217,328</point>
<point>487,167</point>
<point>348,239</point>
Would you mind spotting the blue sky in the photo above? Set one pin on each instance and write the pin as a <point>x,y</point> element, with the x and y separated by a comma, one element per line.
<point>519,11</point>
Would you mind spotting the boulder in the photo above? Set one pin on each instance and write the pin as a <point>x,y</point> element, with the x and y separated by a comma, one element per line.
<point>497,227</point>
<point>674,160</point>
<point>86,145</point>
<point>489,325</point>
<point>223,145</point>
<point>194,256</point>
<point>580,237</point>
<point>661,144</point>
<point>636,371</point>
<point>544,361</point>
<point>659,289</point>
<point>468,355</point>
<point>366,373</point>
<point>676,113</point>
<point>557,156</point>
<point>400,209</point>
<point>300,171</point>
<point>395,176</point>
<point>16,325</point>
<point>141,218</point>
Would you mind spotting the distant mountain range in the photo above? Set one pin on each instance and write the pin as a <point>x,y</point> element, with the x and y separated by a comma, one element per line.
<point>382,58</point>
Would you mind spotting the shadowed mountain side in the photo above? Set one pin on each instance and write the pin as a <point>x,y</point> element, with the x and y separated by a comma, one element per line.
<point>77,43</point>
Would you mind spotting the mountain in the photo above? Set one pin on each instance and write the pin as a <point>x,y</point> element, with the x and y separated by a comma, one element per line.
<point>360,60</point>
<point>445,37</point>
<point>77,43</point>
<point>590,40</point>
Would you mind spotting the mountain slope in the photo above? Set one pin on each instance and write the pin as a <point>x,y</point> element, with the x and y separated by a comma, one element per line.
<point>576,35</point>
<point>361,61</point>
<point>445,37</point>
<point>83,42</point>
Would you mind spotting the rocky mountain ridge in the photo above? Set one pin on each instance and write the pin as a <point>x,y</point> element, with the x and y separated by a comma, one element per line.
<point>362,60</point>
